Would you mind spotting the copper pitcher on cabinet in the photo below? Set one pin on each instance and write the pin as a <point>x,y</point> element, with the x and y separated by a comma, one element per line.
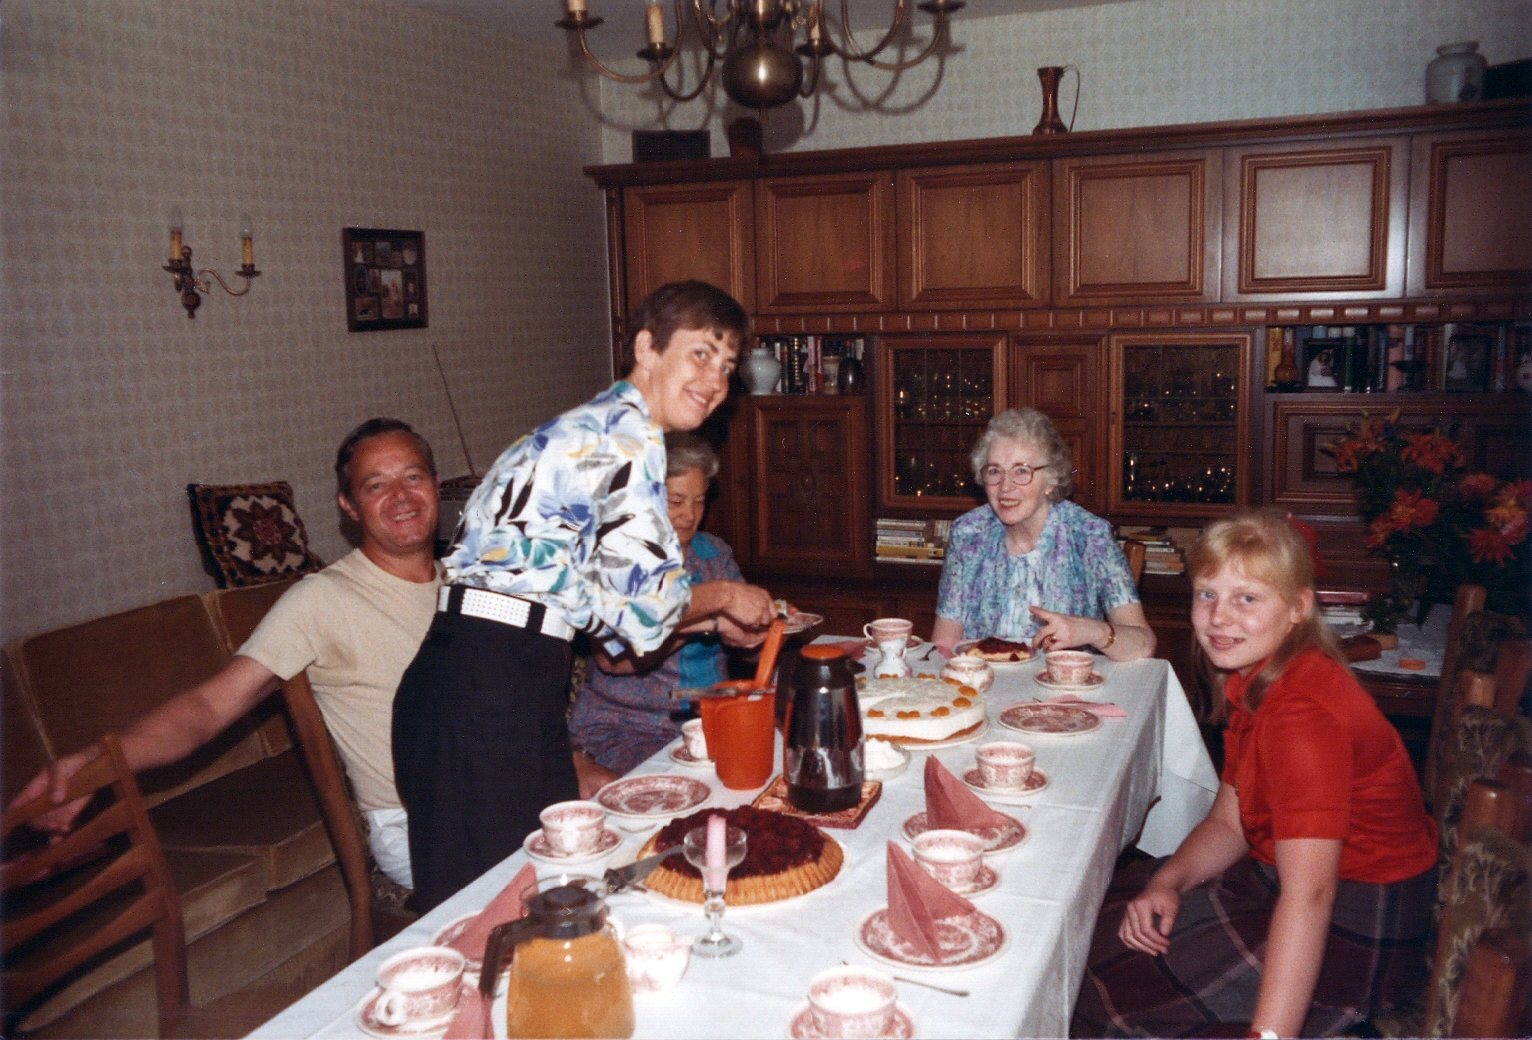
<point>1050,123</point>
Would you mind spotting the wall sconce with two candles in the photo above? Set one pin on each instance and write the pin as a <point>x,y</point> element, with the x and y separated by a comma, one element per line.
<point>188,284</point>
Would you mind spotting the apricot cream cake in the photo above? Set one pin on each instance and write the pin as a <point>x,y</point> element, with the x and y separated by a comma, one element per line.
<point>784,857</point>
<point>919,710</point>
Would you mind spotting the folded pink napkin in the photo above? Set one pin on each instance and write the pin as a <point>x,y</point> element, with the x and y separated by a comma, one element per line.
<point>916,901</point>
<point>471,1020</point>
<point>950,805</point>
<point>504,907</point>
<point>1102,708</point>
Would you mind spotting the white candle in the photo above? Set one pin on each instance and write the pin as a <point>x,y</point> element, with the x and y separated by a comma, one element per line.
<point>715,874</point>
<point>246,241</point>
<point>175,234</point>
<point>654,16</point>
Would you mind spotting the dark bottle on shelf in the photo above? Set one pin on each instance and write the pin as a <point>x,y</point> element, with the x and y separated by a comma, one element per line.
<point>852,380</point>
<point>822,757</point>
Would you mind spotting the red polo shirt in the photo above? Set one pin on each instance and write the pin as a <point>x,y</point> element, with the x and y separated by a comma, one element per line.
<point>1319,760</point>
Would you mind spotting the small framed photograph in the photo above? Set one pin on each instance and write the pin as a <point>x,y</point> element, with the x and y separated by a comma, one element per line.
<point>1465,368</point>
<point>385,276</point>
<point>1324,364</point>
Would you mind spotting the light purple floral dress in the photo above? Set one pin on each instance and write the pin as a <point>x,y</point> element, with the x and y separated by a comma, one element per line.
<point>1076,568</point>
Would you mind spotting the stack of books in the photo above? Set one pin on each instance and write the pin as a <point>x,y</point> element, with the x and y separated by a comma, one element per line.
<point>912,541</point>
<point>1162,553</point>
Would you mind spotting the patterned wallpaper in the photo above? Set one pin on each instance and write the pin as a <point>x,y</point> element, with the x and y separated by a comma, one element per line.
<point>310,115</point>
<point>313,115</point>
<point>1147,63</point>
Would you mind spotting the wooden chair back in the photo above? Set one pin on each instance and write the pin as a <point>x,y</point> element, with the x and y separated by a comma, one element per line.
<point>1134,551</point>
<point>335,804</point>
<point>1480,970</point>
<point>119,885</point>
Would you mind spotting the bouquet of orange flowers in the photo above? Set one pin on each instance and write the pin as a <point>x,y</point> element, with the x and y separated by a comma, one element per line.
<point>1437,523</point>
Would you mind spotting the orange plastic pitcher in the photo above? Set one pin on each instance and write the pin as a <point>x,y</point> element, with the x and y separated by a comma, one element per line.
<point>741,733</point>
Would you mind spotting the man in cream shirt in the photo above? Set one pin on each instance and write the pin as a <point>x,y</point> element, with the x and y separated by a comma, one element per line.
<point>355,626</point>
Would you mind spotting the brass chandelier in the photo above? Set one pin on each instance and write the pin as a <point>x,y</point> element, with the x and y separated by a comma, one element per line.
<point>755,44</point>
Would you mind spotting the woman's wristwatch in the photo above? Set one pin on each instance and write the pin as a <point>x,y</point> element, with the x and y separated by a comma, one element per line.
<point>1111,637</point>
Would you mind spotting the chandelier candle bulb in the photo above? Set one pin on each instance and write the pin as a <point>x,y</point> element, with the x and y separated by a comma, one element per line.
<point>575,7</point>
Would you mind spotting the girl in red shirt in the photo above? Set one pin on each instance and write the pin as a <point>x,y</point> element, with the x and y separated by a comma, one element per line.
<point>1301,904</point>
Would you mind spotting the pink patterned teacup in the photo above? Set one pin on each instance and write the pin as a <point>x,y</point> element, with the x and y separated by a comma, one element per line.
<point>951,857</point>
<point>1069,667</point>
<point>573,828</point>
<point>851,1001</point>
<point>1005,765</point>
<point>419,985</point>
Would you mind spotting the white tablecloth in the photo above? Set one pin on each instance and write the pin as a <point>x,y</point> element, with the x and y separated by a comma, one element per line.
<point>1102,784</point>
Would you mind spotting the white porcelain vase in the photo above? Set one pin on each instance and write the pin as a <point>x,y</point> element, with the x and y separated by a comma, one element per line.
<point>1455,74</point>
<point>760,371</point>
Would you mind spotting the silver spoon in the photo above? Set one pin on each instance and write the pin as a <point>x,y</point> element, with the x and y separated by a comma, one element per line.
<point>927,985</point>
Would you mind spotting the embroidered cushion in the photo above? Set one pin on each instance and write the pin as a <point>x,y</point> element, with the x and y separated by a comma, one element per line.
<point>250,533</point>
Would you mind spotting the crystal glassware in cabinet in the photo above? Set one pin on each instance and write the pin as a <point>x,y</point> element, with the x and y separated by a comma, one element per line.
<point>1180,435</point>
<point>935,394</point>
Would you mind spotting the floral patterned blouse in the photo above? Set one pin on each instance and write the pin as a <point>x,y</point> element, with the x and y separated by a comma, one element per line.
<point>1076,568</point>
<point>574,516</point>
<point>620,720</point>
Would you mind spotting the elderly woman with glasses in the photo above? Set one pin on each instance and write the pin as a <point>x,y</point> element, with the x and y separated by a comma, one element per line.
<point>1031,566</point>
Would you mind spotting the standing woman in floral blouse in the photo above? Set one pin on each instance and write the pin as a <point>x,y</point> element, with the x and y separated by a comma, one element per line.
<point>567,532</point>
<point>1032,565</point>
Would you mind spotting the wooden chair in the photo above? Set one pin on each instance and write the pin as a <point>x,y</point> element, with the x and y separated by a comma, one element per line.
<point>369,923</point>
<point>121,885</point>
<point>1479,973</point>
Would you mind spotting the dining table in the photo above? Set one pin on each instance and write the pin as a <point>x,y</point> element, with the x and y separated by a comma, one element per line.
<point>1144,778</point>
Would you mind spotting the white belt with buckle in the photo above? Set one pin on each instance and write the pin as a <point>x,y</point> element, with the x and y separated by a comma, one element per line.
<point>505,609</point>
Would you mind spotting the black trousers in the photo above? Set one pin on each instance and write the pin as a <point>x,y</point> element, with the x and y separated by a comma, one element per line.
<point>480,747</point>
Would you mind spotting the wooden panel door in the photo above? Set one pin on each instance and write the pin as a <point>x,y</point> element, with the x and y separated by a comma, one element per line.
<point>1179,440</point>
<point>810,493</point>
<point>935,394</point>
<point>1062,377</point>
<point>678,231</point>
<point>1470,215</point>
<point>825,243</point>
<point>1322,220</point>
<point>1137,230</point>
<point>973,236</point>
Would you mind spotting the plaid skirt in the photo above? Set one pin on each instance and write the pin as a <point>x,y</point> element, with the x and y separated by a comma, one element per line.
<point>1375,957</point>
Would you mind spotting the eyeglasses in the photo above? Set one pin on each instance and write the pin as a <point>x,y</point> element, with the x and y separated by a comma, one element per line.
<point>1021,474</point>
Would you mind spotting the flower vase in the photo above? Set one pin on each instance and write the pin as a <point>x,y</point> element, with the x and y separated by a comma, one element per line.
<point>760,371</point>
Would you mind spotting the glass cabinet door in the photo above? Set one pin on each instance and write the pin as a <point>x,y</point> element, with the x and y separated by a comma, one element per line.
<point>1180,423</point>
<point>934,396</point>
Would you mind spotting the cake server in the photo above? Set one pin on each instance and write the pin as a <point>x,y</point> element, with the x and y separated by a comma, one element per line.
<point>620,879</point>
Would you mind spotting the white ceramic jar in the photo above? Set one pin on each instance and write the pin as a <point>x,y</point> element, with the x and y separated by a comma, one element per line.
<point>1456,74</point>
<point>973,672</point>
<point>760,370</point>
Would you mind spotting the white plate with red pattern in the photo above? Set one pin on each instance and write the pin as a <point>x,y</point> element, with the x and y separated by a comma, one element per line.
<point>654,797</point>
<point>965,941</point>
<point>1053,720</point>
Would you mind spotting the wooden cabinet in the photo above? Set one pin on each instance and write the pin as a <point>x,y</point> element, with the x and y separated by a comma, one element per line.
<point>1324,219</point>
<point>1137,229</point>
<point>808,490</point>
<point>1470,214</point>
<point>1494,431</point>
<point>934,395</point>
<point>825,243</point>
<point>973,236</point>
<point>1062,377</point>
<point>673,232</point>
<point>1179,432</point>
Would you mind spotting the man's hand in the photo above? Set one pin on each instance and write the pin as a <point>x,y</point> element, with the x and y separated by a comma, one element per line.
<point>591,775</point>
<point>55,781</point>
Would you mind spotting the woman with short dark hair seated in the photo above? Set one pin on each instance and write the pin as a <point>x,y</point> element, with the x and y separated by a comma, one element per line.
<point>1031,566</point>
